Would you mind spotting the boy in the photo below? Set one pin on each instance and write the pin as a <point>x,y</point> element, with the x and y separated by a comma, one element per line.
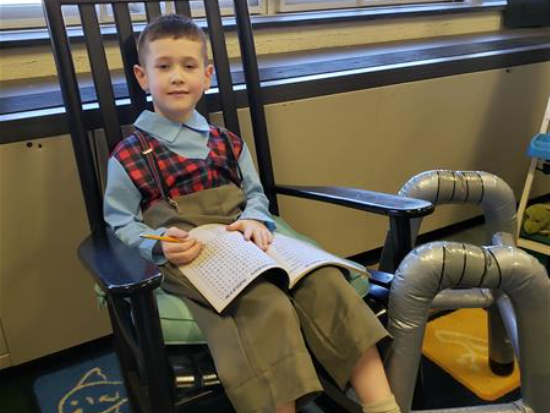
<point>176,172</point>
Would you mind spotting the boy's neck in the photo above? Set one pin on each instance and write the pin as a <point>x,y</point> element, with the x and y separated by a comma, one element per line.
<point>184,118</point>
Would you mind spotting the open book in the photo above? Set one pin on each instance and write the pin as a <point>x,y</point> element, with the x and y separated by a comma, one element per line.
<point>228,263</point>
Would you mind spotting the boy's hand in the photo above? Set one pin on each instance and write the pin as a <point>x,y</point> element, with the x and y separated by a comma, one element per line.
<point>180,253</point>
<point>253,230</point>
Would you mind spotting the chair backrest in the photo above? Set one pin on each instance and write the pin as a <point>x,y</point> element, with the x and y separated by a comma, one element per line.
<point>112,112</point>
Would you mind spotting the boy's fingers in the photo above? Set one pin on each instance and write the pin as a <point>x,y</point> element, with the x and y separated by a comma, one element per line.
<point>187,255</point>
<point>256,238</point>
<point>194,251</point>
<point>176,232</point>
<point>248,233</point>
<point>260,239</point>
<point>187,245</point>
<point>263,239</point>
<point>235,226</point>
<point>179,247</point>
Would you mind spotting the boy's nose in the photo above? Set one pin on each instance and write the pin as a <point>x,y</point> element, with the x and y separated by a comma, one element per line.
<point>177,77</point>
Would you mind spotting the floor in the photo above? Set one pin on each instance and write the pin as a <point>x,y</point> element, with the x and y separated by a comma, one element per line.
<point>16,383</point>
<point>16,388</point>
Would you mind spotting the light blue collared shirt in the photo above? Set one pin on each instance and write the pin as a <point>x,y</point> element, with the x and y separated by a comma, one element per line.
<point>122,202</point>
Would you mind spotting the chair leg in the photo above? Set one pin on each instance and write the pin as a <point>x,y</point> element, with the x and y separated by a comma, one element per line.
<point>128,364</point>
<point>401,242</point>
<point>160,388</point>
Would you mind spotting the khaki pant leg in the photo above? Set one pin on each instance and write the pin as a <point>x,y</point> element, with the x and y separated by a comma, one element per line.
<point>257,346</point>
<point>338,326</point>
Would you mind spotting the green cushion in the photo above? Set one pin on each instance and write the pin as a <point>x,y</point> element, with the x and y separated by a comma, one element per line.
<point>177,323</point>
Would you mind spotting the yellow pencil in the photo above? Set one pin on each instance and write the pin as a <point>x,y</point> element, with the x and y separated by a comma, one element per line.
<point>161,238</point>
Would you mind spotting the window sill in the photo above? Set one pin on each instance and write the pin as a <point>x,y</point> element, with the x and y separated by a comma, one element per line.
<point>40,37</point>
<point>37,112</point>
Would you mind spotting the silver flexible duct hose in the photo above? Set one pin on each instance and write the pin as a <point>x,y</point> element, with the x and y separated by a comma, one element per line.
<point>434,267</point>
<point>498,203</point>
<point>491,193</point>
<point>466,298</point>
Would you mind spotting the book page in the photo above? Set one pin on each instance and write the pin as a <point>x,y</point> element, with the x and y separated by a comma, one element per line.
<point>226,264</point>
<point>299,257</point>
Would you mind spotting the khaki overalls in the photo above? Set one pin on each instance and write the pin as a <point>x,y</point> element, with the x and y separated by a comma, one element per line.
<point>259,341</point>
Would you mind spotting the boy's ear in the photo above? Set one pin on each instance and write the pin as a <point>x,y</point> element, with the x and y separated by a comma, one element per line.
<point>141,77</point>
<point>208,72</point>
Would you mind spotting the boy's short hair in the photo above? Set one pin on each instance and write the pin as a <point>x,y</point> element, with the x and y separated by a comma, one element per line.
<point>173,26</point>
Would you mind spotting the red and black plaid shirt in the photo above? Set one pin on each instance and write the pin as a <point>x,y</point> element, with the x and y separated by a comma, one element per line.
<point>182,176</point>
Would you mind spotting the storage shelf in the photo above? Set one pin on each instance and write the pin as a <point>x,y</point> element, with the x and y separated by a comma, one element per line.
<point>538,150</point>
<point>534,246</point>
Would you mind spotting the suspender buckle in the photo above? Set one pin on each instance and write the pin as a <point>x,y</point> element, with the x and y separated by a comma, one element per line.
<point>173,203</point>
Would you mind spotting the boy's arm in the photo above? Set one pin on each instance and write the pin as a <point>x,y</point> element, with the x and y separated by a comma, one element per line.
<point>257,204</point>
<point>122,212</point>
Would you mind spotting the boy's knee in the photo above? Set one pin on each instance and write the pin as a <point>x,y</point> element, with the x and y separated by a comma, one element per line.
<point>265,330</point>
<point>326,282</point>
<point>280,310</point>
<point>265,305</point>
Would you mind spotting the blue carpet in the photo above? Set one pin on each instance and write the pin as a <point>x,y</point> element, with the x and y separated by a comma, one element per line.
<point>93,386</point>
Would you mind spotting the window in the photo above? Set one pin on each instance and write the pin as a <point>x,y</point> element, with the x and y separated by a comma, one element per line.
<point>21,13</point>
<point>303,5</point>
<point>28,14</point>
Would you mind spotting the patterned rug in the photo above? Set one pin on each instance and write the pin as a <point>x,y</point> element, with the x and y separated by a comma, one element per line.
<point>457,343</point>
<point>93,386</point>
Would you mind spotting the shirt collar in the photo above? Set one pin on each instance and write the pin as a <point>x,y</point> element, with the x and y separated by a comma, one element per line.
<point>165,129</point>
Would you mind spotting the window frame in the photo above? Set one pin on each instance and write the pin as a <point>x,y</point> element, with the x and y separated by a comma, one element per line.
<point>10,14</point>
<point>293,6</point>
<point>10,19</point>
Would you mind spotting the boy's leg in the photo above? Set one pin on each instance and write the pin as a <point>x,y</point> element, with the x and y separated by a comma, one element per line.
<point>338,326</point>
<point>342,332</point>
<point>369,378</point>
<point>387,405</point>
<point>257,346</point>
<point>288,408</point>
<point>371,385</point>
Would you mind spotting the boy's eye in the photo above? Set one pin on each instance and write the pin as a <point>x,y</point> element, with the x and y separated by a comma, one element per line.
<point>190,66</point>
<point>162,66</point>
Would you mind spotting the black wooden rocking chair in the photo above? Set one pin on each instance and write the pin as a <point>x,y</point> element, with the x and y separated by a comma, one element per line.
<point>163,378</point>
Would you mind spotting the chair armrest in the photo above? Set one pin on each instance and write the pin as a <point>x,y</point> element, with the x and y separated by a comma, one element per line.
<point>375,202</point>
<point>117,268</point>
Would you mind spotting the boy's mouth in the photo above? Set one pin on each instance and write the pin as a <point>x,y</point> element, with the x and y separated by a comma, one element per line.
<point>178,92</point>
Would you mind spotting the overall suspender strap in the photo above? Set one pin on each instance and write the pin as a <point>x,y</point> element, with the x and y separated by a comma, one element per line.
<point>151,159</point>
<point>224,133</point>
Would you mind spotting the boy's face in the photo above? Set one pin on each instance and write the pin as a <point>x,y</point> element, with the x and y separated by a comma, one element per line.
<point>176,75</point>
